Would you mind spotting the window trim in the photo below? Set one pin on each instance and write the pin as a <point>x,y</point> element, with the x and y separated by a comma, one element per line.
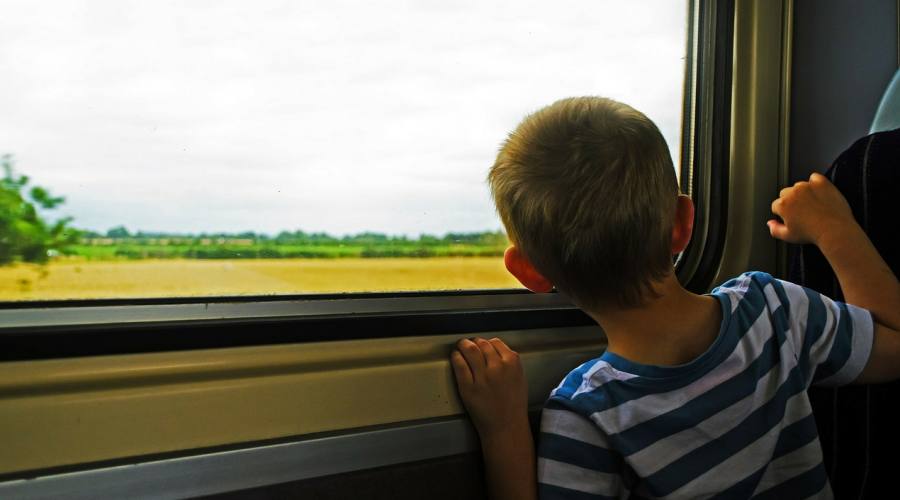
<point>48,333</point>
<point>758,139</point>
<point>239,308</point>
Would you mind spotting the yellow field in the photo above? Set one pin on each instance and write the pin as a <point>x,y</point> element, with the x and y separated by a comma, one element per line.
<point>167,278</point>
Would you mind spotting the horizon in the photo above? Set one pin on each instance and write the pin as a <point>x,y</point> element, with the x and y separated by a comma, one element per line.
<point>318,234</point>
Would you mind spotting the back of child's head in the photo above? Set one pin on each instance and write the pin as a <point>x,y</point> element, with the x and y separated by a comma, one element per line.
<point>587,192</point>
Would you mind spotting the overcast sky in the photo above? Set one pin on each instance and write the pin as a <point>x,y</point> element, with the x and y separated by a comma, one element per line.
<point>338,116</point>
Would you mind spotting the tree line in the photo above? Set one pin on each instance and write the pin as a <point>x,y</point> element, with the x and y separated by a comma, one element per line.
<point>26,235</point>
<point>120,234</point>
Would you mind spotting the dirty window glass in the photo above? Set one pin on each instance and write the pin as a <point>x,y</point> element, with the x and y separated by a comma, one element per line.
<point>222,148</point>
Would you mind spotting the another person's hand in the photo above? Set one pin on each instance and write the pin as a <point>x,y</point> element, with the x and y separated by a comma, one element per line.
<point>492,385</point>
<point>810,211</point>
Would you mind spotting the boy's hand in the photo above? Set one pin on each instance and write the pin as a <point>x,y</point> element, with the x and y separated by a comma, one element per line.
<point>811,211</point>
<point>492,385</point>
<point>493,388</point>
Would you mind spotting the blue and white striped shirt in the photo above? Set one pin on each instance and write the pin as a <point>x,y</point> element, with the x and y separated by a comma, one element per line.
<point>733,423</point>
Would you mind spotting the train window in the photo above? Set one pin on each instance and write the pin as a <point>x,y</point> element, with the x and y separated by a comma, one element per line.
<point>172,149</point>
<point>228,166</point>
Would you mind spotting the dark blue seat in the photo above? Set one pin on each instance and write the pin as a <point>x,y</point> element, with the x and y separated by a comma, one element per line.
<point>858,424</point>
<point>887,117</point>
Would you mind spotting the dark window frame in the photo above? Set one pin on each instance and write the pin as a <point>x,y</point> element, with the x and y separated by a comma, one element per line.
<point>705,142</point>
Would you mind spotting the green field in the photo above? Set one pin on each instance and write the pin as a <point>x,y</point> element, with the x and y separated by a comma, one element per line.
<point>266,250</point>
<point>81,278</point>
<point>285,245</point>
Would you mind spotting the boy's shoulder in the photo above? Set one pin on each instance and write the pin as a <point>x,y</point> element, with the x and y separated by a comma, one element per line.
<point>748,281</point>
<point>755,290</point>
<point>607,381</point>
<point>593,386</point>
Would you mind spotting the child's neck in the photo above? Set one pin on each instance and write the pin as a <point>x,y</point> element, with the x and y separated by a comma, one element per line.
<point>672,329</point>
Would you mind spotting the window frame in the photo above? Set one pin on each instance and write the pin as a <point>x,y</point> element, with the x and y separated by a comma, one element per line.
<point>705,144</point>
<point>68,328</point>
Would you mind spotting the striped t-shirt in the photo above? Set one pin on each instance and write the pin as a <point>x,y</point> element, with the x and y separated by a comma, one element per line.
<point>733,423</point>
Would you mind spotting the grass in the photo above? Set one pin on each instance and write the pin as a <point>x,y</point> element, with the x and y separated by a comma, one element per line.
<point>83,279</point>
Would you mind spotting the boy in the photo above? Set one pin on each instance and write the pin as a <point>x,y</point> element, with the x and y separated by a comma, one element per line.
<point>696,395</point>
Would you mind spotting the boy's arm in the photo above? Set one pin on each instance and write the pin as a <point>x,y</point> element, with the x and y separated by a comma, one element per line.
<point>493,388</point>
<point>509,464</point>
<point>816,212</point>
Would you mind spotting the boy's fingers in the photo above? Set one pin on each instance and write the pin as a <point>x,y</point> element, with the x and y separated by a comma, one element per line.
<point>777,229</point>
<point>473,357</point>
<point>460,369</point>
<point>784,192</point>
<point>502,349</point>
<point>776,207</point>
<point>491,356</point>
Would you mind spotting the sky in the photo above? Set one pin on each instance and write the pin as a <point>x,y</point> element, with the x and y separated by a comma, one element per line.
<point>338,116</point>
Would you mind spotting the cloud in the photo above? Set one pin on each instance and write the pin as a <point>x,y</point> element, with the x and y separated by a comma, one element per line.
<point>340,116</point>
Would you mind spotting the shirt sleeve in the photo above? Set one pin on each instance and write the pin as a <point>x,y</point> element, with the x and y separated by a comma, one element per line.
<point>574,458</point>
<point>835,338</point>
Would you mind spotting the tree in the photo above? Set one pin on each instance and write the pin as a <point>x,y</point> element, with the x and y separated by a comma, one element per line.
<point>24,235</point>
<point>118,232</point>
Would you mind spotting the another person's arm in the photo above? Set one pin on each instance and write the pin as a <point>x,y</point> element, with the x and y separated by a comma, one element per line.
<point>493,388</point>
<point>816,212</point>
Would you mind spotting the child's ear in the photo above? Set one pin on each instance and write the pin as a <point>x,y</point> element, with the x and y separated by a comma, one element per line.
<point>683,225</point>
<point>518,266</point>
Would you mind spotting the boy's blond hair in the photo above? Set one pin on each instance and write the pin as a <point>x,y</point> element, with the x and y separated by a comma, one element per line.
<point>587,191</point>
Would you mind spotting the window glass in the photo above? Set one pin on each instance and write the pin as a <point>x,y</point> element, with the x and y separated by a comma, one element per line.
<point>268,147</point>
